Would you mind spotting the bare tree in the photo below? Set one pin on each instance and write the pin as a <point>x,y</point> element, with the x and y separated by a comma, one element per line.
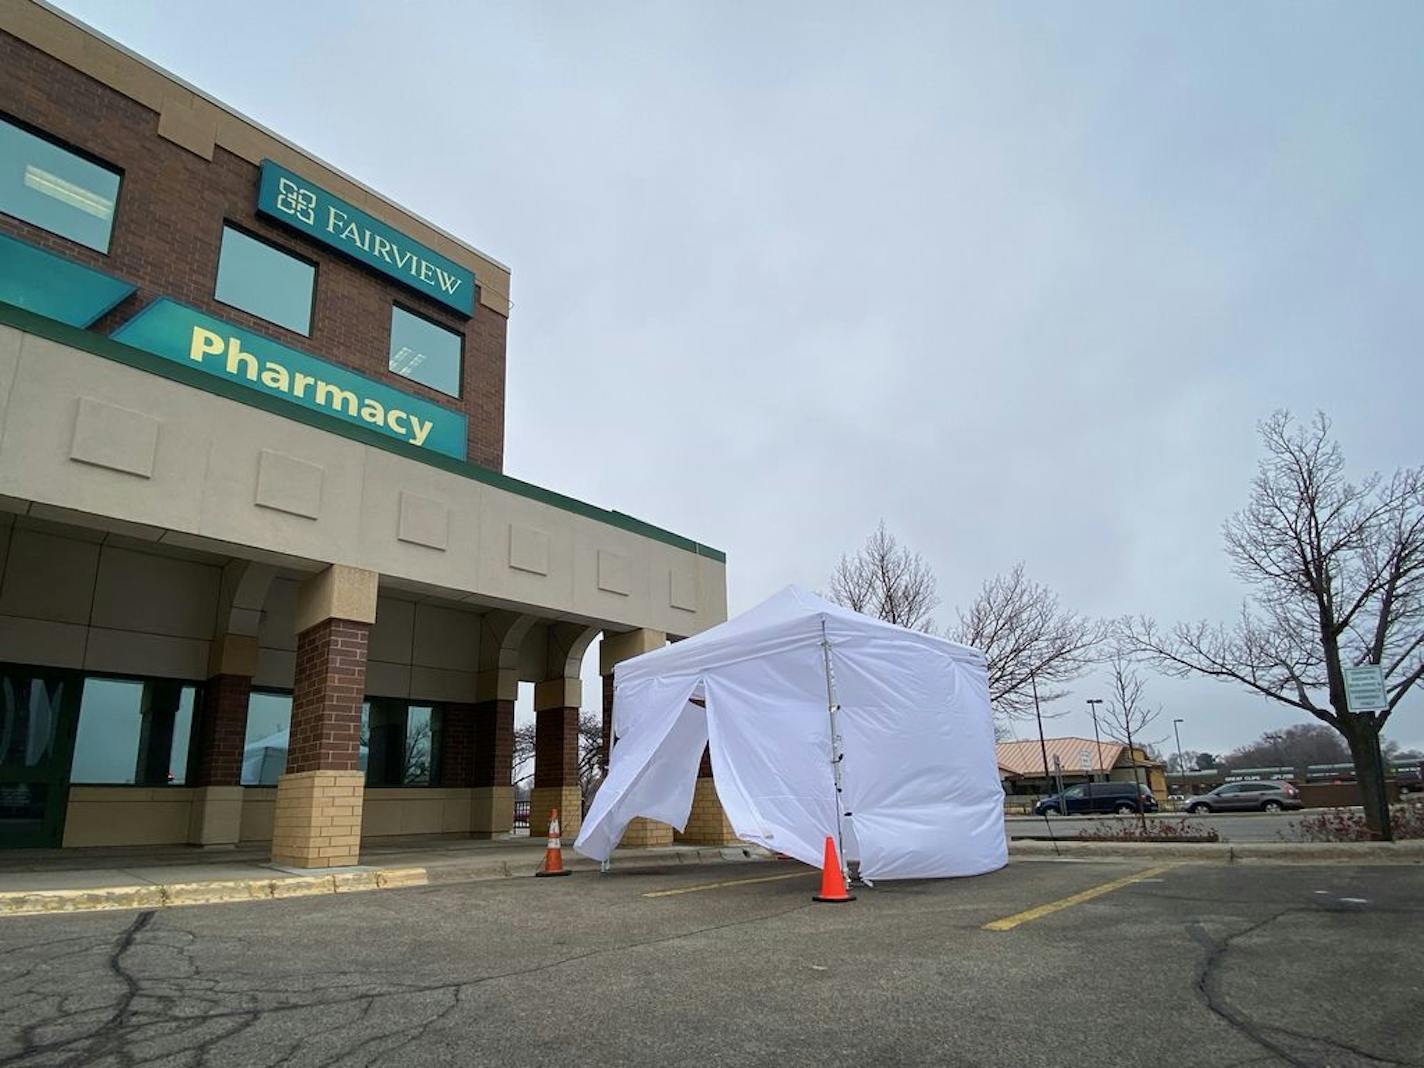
<point>1029,640</point>
<point>886,580</point>
<point>523,752</point>
<point>1127,714</point>
<point>590,736</point>
<point>1337,570</point>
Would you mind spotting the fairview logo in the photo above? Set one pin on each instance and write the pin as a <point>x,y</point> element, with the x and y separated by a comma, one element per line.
<point>312,210</point>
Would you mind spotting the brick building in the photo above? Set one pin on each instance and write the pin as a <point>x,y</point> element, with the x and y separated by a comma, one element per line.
<point>262,577</point>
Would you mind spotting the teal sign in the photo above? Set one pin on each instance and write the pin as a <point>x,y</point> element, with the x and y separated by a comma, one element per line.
<point>189,337</point>
<point>55,287</point>
<point>296,202</point>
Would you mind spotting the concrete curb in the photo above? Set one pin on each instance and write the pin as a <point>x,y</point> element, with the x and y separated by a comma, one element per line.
<point>1410,852</point>
<point>478,870</point>
<point>157,896</point>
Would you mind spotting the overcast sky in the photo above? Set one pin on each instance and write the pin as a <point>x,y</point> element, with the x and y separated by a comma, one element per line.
<point>1019,278</point>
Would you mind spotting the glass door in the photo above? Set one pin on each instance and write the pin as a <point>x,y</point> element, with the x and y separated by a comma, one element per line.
<point>37,712</point>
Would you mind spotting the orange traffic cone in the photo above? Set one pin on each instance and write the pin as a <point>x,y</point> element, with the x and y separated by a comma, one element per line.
<point>554,854</point>
<point>833,887</point>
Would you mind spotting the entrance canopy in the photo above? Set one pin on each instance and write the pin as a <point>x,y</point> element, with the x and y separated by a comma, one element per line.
<point>919,778</point>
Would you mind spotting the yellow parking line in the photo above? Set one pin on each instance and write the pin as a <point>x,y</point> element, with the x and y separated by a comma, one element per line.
<point>1008,923</point>
<point>732,882</point>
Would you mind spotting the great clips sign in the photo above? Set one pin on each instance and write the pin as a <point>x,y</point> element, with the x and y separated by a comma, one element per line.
<point>292,200</point>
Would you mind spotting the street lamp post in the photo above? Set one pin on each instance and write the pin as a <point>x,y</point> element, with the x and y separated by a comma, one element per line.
<point>1181,764</point>
<point>1093,703</point>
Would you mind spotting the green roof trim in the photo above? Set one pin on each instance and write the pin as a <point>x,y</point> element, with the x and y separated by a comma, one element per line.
<point>109,349</point>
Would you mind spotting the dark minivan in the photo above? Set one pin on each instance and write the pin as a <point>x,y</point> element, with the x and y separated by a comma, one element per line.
<point>1097,797</point>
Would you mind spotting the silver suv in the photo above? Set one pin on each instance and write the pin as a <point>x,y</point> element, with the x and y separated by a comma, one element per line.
<point>1248,797</point>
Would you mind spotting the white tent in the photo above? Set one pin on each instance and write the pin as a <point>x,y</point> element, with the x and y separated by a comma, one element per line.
<point>921,793</point>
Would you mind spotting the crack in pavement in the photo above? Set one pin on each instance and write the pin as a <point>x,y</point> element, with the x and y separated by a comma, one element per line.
<point>1209,986</point>
<point>127,1023</point>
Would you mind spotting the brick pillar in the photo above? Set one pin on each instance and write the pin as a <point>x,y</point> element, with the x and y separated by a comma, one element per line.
<point>556,782</point>
<point>605,743</point>
<point>492,764</point>
<point>317,822</point>
<point>219,736</point>
<point>707,823</point>
<point>456,746</point>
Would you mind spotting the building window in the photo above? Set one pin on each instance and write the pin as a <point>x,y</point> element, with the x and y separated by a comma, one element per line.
<point>425,352</point>
<point>55,189</point>
<point>264,752</point>
<point>403,743</point>
<point>133,731</point>
<point>262,279</point>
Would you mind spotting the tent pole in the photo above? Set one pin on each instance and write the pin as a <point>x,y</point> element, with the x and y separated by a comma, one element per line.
<point>833,710</point>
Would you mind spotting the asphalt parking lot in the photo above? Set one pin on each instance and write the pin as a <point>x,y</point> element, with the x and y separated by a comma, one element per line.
<point>1042,963</point>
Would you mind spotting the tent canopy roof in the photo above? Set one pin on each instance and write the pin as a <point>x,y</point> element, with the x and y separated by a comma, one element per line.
<point>784,620</point>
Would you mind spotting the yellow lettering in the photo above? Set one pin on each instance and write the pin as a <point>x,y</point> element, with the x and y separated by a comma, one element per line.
<point>205,343</point>
<point>332,222</point>
<point>300,382</point>
<point>372,411</point>
<point>399,427</point>
<point>239,362</point>
<point>275,376</point>
<point>420,430</point>
<point>335,397</point>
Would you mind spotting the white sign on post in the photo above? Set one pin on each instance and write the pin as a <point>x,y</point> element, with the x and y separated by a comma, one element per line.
<point>1364,688</point>
<point>1085,759</point>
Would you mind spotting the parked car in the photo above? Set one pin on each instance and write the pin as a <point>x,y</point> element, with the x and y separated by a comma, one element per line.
<point>1248,797</point>
<point>1098,797</point>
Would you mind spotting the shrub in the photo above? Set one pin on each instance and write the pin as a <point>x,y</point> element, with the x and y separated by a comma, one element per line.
<point>1347,825</point>
<point>1158,830</point>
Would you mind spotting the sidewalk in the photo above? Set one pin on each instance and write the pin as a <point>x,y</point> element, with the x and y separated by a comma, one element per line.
<point>38,881</point>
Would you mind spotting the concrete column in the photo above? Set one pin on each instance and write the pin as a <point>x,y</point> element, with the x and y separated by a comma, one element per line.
<point>317,822</point>
<point>556,782</point>
<point>617,647</point>
<point>220,736</point>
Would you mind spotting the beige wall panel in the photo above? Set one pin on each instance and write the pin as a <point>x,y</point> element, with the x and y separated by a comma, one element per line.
<point>416,810</point>
<point>49,577</point>
<point>100,816</point>
<point>279,616</point>
<point>9,362</point>
<point>127,652</point>
<point>441,684</point>
<point>39,431</point>
<point>384,679</point>
<point>276,669</point>
<point>230,510</point>
<point>36,641</point>
<point>119,439</point>
<point>589,599</point>
<point>497,578</point>
<point>157,594</point>
<point>258,805</point>
<point>387,476</point>
<point>446,638</point>
<point>205,485</point>
<point>456,812</point>
<point>380,815</point>
<point>393,632</point>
